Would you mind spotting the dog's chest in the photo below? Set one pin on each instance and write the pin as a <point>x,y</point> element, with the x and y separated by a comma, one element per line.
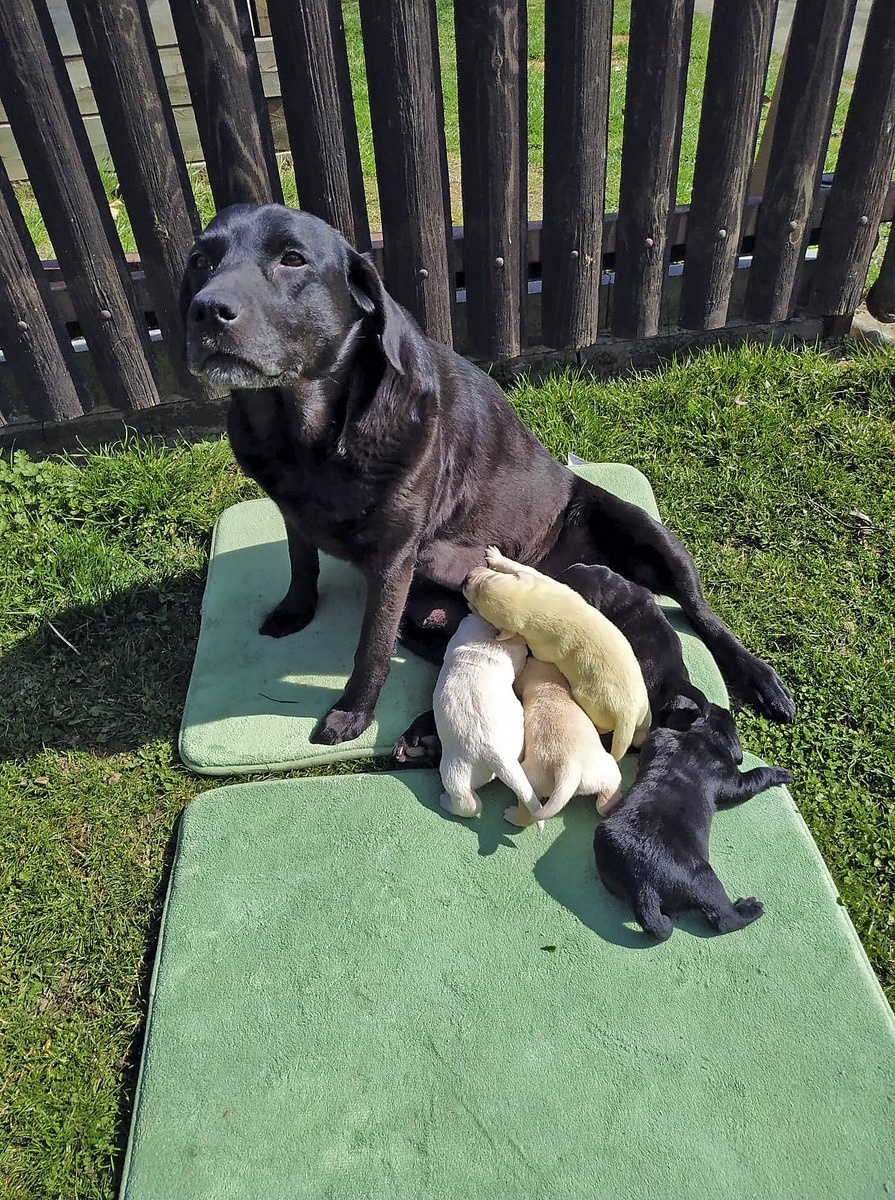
<point>333,502</point>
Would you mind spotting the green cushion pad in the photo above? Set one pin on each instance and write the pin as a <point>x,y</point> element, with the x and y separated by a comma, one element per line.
<point>254,701</point>
<point>356,995</point>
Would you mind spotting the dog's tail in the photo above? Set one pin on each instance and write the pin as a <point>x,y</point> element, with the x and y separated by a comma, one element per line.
<point>623,735</point>
<point>564,788</point>
<point>649,914</point>
<point>517,781</point>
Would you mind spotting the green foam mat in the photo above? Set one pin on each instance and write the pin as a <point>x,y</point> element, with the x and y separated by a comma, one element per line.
<point>356,996</point>
<point>254,701</point>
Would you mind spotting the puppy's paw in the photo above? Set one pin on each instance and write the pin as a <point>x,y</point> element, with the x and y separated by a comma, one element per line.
<point>340,725</point>
<point>518,814</point>
<point>285,620</point>
<point>780,776</point>
<point>461,806</point>
<point>749,909</point>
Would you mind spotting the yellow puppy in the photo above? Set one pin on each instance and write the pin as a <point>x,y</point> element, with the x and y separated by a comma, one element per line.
<point>564,756</point>
<point>562,628</point>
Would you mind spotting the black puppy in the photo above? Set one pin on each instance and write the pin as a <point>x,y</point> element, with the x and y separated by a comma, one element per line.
<point>384,448</point>
<point>653,849</point>
<point>633,609</point>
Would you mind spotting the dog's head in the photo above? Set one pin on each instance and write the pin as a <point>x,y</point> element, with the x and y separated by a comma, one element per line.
<point>271,295</point>
<point>588,581</point>
<point>712,722</point>
<point>504,599</point>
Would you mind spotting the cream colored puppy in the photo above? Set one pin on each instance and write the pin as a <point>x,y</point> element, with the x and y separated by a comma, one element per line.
<point>564,756</point>
<point>479,718</point>
<point>560,627</point>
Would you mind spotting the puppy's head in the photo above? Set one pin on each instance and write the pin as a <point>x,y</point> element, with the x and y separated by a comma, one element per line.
<point>499,597</point>
<point>271,295</point>
<point>588,581</point>
<point>720,726</point>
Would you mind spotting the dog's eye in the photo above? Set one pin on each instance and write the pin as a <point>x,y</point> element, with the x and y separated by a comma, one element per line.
<point>292,258</point>
<point>199,261</point>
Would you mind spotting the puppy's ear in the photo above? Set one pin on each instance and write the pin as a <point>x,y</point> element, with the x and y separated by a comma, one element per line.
<point>370,296</point>
<point>680,714</point>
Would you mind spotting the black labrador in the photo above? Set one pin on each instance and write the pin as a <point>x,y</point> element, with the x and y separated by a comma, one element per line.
<point>653,848</point>
<point>384,448</point>
<point>633,610</point>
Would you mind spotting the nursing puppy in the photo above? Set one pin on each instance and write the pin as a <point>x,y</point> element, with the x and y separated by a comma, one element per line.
<point>562,628</point>
<point>479,719</point>
<point>564,756</point>
<point>653,849</point>
<point>633,610</point>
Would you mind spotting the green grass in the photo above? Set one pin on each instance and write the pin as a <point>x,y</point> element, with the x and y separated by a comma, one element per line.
<point>762,459</point>
<point>444,9</point>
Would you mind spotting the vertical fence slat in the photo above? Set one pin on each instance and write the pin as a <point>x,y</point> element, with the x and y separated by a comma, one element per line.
<point>881,297</point>
<point>42,110</point>
<point>658,52</point>
<point>818,40</point>
<point>403,83</point>
<point>221,66</point>
<point>115,37</point>
<point>863,171</point>
<point>577,66</point>
<point>490,60</point>
<point>38,351</point>
<point>739,47</point>
<point>312,61</point>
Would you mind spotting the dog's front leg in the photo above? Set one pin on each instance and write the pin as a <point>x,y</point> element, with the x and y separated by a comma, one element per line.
<point>387,591</point>
<point>299,604</point>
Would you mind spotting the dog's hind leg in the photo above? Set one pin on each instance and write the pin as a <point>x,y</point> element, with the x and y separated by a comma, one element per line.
<point>634,544</point>
<point>710,897</point>
<point>649,915</point>
<point>458,797</point>
<point>749,783</point>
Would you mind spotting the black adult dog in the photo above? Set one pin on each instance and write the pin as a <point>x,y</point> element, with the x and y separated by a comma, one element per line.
<point>653,849</point>
<point>384,448</point>
<point>633,610</point>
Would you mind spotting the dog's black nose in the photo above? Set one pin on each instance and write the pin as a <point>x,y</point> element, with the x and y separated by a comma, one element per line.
<point>213,311</point>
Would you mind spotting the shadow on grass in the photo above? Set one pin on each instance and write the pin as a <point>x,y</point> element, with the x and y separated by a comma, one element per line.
<point>122,685</point>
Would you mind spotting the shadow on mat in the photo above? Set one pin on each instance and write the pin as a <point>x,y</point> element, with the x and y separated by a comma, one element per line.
<point>565,870</point>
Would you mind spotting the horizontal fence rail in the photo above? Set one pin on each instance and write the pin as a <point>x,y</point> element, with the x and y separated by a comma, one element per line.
<point>96,328</point>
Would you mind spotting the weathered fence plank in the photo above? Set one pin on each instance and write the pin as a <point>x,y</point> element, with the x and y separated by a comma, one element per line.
<point>739,48</point>
<point>218,52</point>
<point>309,42</point>
<point>33,338</point>
<point>863,171</point>
<point>491,60</point>
<point>116,41</point>
<point>38,98</point>
<point>577,66</point>
<point>404,86</point>
<point>658,53</point>
<point>816,53</point>
<point>881,297</point>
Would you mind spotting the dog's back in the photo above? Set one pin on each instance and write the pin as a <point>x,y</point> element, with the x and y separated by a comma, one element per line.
<point>635,611</point>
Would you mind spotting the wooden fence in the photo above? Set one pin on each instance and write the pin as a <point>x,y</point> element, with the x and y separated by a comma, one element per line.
<point>570,288</point>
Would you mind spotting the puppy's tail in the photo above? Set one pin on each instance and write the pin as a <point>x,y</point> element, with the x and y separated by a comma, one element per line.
<point>565,787</point>
<point>517,781</point>
<point>623,735</point>
<point>649,914</point>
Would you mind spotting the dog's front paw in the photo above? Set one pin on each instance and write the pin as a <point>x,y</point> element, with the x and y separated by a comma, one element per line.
<point>340,725</point>
<point>286,619</point>
<point>420,743</point>
<point>780,776</point>
<point>760,686</point>
<point>749,909</point>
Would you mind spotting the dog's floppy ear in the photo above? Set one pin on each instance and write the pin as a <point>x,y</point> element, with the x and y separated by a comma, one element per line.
<point>370,296</point>
<point>681,714</point>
